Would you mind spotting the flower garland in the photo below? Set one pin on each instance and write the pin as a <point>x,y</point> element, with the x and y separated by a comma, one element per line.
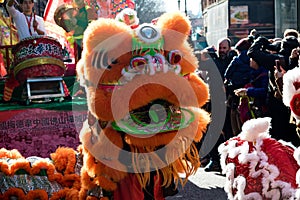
<point>4,167</point>
<point>18,164</point>
<point>71,180</point>
<point>37,194</point>
<point>17,192</point>
<point>67,194</point>
<point>13,154</point>
<point>64,160</point>
<point>61,170</point>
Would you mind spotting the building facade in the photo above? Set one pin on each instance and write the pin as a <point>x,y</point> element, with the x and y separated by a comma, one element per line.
<point>236,18</point>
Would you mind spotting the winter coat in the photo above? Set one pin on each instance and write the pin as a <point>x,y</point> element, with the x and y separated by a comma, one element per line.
<point>239,71</point>
<point>260,89</point>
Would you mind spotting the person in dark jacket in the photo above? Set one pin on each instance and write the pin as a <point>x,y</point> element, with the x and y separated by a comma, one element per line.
<point>259,81</point>
<point>259,51</point>
<point>221,58</point>
<point>280,114</point>
<point>288,43</point>
<point>237,75</point>
<point>238,71</point>
<point>255,93</point>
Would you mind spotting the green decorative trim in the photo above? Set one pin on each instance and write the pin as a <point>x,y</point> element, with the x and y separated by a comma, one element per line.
<point>174,121</point>
<point>150,48</point>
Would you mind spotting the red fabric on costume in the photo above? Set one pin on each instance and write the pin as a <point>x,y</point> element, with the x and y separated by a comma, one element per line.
<point>253,184</point>
<point>282,157</point>
<point>3,71</point>
<point>129,189</point>
<point>278,155</point>
<point>158,193</point>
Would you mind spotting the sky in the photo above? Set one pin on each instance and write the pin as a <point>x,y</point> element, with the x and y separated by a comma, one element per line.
<point>193,5</point>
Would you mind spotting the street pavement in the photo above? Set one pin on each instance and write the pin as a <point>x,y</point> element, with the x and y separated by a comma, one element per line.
<point>202,186</point>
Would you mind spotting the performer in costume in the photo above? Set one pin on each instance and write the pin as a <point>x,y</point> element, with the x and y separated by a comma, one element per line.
<point>27,23</point>
<point>150,138</point>
<point>258,166</point>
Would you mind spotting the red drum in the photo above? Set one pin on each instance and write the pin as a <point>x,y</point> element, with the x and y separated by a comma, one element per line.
<point>38,56</point>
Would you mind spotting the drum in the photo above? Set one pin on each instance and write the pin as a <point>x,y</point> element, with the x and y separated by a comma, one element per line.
<point>38,56</point>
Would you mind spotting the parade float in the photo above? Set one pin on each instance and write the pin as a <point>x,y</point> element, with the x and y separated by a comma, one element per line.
<point>84,148</point>
<point>24,66</point>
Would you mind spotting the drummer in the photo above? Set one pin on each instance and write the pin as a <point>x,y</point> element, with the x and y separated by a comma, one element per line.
<point>27,22</point>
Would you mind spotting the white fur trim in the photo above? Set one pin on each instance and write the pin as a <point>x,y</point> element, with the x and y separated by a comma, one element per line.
<point>256,128</point>
<point>289,90</point>
<point>258,166</point>
<point>228,187</point>
<point>297,155</point>
<point>240,184</point>
<point>297,158</point>
<point>289,144</point>
<point>297,194</point>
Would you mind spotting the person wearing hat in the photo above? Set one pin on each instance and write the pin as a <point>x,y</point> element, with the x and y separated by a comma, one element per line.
<point>291,32</point>
<point>280,114</point>
<point>255,92</point>
<point>287,45</point>
<point>237,75</point>
<point>218,58</point>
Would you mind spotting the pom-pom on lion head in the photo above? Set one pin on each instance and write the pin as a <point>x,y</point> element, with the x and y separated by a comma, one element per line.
<point>291,91</point>
<point>143,97</point>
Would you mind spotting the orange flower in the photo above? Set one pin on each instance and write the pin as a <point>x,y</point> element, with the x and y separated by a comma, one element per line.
<point>4,167</point>
<point>13,154</point>
<point>41,164</point>
<point>91,198</point>
<point>55,177</point>
<point>67,194</point>
<point>37,194</point>
<point>20,163</point>
<point>11,192</point>
<point>71,180</point>
<point>61,194</point>
<point>72,194</point>
<point>64,160</point>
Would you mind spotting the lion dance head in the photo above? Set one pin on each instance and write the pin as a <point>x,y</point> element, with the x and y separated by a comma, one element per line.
<point>144,101</point>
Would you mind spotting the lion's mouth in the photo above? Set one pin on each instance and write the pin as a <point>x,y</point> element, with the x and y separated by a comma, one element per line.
<point>156,117</point>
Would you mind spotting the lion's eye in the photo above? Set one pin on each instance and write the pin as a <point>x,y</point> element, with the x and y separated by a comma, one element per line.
<point>138,62</point>
<point>174,57</point>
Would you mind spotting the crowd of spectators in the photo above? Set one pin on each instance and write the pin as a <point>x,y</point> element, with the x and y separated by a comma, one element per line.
<point>253,68</point>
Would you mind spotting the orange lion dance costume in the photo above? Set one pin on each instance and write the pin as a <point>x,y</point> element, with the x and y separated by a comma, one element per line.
<point>144,101</point>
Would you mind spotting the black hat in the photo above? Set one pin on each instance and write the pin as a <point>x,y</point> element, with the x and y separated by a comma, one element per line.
<point>275,46</point>
<point>243,44</point>
<point>289,43</point>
